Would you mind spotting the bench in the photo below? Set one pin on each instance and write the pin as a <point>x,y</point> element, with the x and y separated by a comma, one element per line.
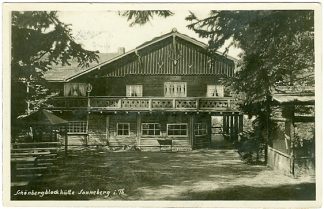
<point>35,149</point>
<point>28,144</point>
<point>27,154</point>
<point>31,160</point>
<point>19,183</point>
<point>23,159</point>
<point>19,163</point>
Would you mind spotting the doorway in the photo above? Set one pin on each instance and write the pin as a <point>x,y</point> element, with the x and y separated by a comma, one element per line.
<point>218,139</point>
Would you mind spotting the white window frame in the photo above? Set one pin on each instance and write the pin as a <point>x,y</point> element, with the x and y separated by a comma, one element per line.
<point>129,90</point>
<point>77,127</point>
<point>123,129</point>
<point>200,127</point>
<point>215,87</point>
<point>154,129</point>
<point>70,88</point>
<point>166,84</point>
<point>170,124</point>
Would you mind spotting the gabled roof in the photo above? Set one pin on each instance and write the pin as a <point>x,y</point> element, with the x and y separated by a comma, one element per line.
<point>44,118</point>
<point>60,73</point>
<point>174,32</point>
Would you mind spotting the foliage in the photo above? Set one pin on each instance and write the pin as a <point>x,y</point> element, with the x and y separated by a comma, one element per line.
<point>278,50</point>
<point>304,132</point>
<point>278,47</point>
<point>140,17</point>
<point>39,39</point>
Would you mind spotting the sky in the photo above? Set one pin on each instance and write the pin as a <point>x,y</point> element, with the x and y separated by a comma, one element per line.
<point>106,30</point>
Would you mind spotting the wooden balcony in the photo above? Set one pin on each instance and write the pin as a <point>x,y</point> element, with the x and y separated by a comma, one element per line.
<point>142,103</point>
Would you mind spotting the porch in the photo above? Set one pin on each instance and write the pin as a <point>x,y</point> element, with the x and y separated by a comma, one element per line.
<point>149,131</point>
<point>105,103</point>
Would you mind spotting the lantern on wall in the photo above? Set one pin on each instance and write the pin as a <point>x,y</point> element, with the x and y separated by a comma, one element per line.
<point>89,88</point>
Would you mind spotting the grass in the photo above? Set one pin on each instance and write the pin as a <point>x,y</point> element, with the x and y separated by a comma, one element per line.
<point>195,175</point>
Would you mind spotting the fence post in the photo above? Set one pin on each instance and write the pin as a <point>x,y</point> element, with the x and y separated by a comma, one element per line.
<point>66,144</point>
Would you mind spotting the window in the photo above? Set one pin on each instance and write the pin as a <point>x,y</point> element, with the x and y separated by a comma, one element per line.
<point>200,129</point>
<point>177,129</point>
<point>77,127</point>
<point>75,89</point>
<point>175,89</point>
<point>134,90</point>
<point>215,91</point>
<point>151,129</point>
<point>123,129</point>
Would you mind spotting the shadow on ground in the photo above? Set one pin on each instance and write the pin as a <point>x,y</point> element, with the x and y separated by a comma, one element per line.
<point>196,175</point>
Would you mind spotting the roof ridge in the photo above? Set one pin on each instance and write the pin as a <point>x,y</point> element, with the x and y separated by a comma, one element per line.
<point>174,31</point>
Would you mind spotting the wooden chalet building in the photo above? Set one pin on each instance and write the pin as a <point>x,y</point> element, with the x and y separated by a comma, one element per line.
<point>164,91</point>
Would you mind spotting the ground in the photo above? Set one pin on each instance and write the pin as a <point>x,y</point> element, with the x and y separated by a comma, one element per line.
<point>194,175</point>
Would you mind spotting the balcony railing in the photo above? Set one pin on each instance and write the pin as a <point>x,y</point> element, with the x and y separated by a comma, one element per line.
<point>142,103</point>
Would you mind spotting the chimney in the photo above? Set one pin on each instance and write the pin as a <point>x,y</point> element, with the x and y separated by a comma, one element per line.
<point>121,50</point>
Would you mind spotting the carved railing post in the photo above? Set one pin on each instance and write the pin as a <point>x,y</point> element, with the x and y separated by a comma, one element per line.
<point>150,104</point>
<point>120,103</point>
<point>197,103</point>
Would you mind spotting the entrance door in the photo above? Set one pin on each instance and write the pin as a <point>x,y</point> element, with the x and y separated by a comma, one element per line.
<point>217,139</point>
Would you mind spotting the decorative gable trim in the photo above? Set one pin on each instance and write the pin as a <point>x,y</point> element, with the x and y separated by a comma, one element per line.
<point>174,34</point>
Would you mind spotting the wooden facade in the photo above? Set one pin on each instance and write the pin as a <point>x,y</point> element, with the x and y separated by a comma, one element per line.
<point>165,90</point>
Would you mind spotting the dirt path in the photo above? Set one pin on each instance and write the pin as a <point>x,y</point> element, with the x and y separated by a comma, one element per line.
<point>195,175</point>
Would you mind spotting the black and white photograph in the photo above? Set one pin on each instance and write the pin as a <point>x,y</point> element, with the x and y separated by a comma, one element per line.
<point>191,102</point>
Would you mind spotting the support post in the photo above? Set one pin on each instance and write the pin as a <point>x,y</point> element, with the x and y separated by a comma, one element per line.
<point>224,124</point>
<point>292,139</point>
<point>228,125</point>
<point>107,129</point>
<point>191,130</point>
<point>87,136</point>
<point>232,127</point>
<point>236,127</point>
<point>138,134</point>
<point>66,144</point>
<point>240,123</point>
<point>268,133</point>
<point>225,121</point>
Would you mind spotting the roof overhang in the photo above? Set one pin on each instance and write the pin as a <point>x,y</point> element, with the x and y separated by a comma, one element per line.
<point>294,99</point>
<point>168,35</point>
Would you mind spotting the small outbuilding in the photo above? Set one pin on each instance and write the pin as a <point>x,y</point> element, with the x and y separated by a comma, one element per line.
<point>292,136</point>
<point>44,126</point>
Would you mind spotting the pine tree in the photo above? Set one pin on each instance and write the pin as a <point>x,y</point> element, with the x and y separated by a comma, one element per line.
<point>39,39</point>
